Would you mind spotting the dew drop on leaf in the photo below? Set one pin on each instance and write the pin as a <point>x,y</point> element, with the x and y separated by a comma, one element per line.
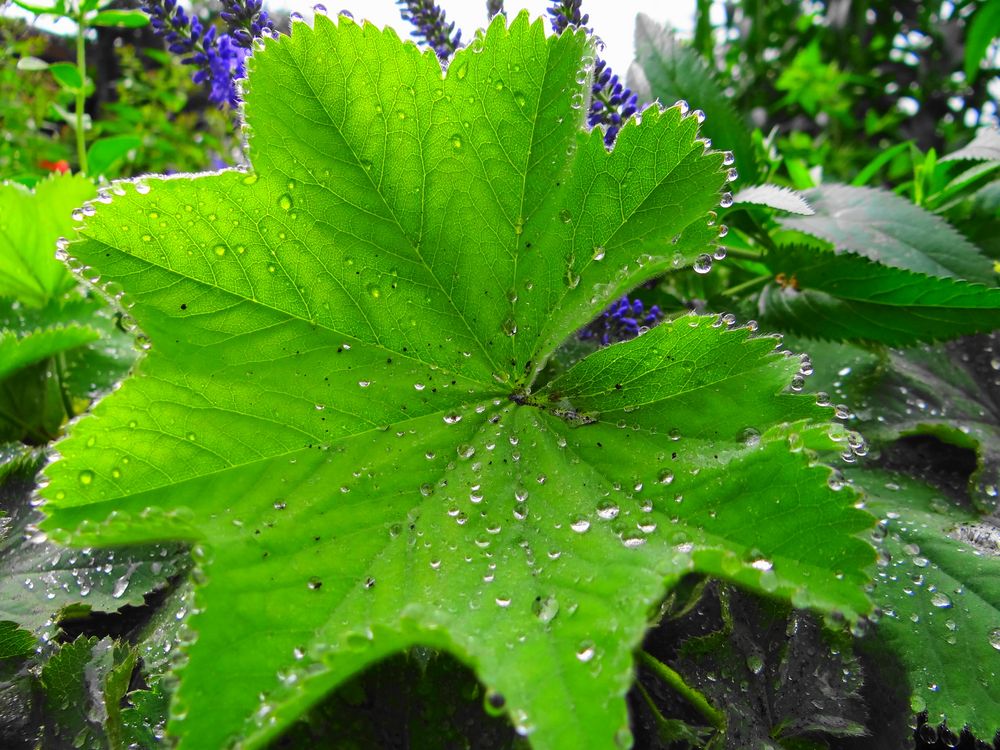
<point>995,638</point>
<point>545,608</point>
<point>941,600</point>
<point>585,652</point>
<point>703,263</point>
<point>285,202</point>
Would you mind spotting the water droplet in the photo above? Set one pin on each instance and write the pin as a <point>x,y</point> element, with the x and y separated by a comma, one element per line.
<point>598,253</point>
<point>580,524</point>
<point>545,608</point>
<point>250,179</point>
<point>502,601</point>
<point>726,201</point>
<point>452,418</point>
<point>86,477</point>
<point>607,510</point>
<point>585,652</point>
<point>755,664</point>
<point>466,451</point>
<point>462,71</point>
<point>682,106</point>
<point>456,141</point>
<point>995,638</point>
<point>314,583</point>
<point>285,202</point>
<point>565,216</point>
<point>666,477</point>
<point>941,600</point>
<point>703,263</point>
<point>220,250</point>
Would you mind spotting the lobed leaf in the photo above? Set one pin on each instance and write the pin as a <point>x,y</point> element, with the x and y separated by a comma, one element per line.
<point>939,589</point>
<point>337,407</point>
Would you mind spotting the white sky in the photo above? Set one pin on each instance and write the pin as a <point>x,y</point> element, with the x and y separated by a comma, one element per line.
<point>612,20</point>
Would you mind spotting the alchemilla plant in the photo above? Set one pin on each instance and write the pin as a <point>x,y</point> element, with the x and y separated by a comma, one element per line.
<point>440,369</point>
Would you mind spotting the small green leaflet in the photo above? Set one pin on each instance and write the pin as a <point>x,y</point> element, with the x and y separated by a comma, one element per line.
<point>337,406</point>
<point>30,224</point>
<point>939,589</point>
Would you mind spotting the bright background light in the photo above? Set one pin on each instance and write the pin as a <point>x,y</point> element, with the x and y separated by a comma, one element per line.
<point>612,20</point>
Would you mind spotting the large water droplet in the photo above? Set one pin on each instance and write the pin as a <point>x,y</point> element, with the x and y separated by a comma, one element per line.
<point>545,608</point>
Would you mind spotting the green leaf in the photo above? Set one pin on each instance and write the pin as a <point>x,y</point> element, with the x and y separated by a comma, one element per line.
<point>939,589</point>
<point>948,392</point>
<point>775,196</point>
<point>56,9</point>
<point>67,75</point>
<point>19,351</point>
<point>38,578</point>
<point>984,147</point>
<point>14,641</point>
<point>30,224</point>
<point>84,683</point>
<point>336,406</point>
<point>104,153</point>
<point>892,231</point>
<point>31,64</point>
<point>850,298</point>
<point>129,19</point>
<point>776,674</point>
<point>982,31</point>
<point>670,70</point>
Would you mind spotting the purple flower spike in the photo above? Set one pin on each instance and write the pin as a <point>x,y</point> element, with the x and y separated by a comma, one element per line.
<point>622,321</point>
<point>431,26</point>
<point>611,103</point>
<point>219,58</point>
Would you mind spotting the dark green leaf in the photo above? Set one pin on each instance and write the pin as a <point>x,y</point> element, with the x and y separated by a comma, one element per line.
<point>672,70</point>
<point>939,589</point>
<point>104,153</point>
<point>982,31</point>
<point>15,641</point>
<point>849,298</point>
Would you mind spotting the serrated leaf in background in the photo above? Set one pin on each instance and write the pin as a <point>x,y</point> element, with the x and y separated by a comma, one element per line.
<point>847,297</point>
<point>892,231</point>
<point>776,197</point>
<point>669,69</point>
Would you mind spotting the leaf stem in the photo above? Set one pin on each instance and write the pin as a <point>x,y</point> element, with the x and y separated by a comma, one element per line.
<point>81,96</point>
<point>698,701</point>
<point>738,252</point>
<point>746,285</point>
<point>64,395</point>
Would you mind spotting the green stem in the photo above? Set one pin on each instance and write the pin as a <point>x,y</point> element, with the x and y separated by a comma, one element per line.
<point>746,285</point>
<point>738,252</point>
<point>698,701</point>
<point>81,96</point>
<point>67,399</point>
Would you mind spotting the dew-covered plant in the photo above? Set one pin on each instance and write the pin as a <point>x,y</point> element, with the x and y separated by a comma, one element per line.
<point>448,426</point>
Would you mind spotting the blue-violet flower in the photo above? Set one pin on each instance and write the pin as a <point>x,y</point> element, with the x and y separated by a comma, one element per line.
<point>431,26</point>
